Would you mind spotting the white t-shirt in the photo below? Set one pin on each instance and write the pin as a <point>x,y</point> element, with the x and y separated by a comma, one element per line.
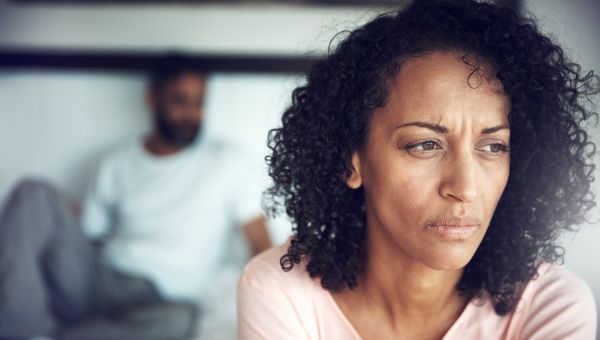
<point>170,218</point>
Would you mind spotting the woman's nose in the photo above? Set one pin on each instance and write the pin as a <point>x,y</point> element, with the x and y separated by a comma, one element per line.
<point>460,179</point>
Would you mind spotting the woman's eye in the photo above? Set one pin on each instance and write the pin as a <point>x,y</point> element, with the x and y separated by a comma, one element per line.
<point>425,146</point>
<point>430,145</point>
<point>496,148</point>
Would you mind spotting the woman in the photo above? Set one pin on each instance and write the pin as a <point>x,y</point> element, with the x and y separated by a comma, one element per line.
<point>428,166</point>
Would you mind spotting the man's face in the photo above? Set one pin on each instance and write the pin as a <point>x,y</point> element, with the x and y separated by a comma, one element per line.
<point>178,109</point>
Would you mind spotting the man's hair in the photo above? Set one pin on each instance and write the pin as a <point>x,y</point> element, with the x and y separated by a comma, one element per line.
<point>171,67</point>
<point>548,189</point>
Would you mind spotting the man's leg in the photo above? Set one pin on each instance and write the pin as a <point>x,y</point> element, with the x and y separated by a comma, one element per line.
<point>131,309</point>
<point>53,282</point>
<point>46,264</point>
<point>157,321</point>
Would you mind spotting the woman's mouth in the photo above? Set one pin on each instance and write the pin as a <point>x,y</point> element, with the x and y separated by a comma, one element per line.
<point>454,232</point>
<point>455,228</point>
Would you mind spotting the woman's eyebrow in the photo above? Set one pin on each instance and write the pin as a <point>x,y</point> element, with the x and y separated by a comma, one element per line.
<point>442,129</point>
<point>494,129</point>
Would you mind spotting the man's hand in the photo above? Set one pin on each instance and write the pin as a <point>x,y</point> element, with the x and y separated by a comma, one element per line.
<point>257,235</point>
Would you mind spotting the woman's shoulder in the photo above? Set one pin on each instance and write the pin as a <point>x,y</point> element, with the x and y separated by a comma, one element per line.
<point>265,270</point>
<point>278,304</point>
<point>557,301</point>
<point>556,283</point>
<point>552,275</point>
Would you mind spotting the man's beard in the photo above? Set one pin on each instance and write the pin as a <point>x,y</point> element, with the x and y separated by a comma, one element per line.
<point>177,134</point>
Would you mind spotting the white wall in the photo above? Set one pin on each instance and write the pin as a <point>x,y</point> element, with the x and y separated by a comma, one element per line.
<point>55,124</point>
<point>252,29</point>
<point>575,25</point>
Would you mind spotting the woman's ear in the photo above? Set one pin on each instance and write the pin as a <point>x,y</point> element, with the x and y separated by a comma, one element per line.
<point>354,181</point>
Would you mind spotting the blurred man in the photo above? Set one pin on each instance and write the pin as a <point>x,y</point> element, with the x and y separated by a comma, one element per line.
<point>160,215</point>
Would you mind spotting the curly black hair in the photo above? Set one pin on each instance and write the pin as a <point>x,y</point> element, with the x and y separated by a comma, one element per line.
<point>551,166</point>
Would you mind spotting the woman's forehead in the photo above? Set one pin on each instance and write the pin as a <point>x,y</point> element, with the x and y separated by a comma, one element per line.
<point>440,85</point>
<point>441,70</point>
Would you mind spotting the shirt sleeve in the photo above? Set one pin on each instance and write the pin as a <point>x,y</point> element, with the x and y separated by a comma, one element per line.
<point>562,307</point>
<point>246,195</point>
<point>99,204</point>
<point>265,310</point>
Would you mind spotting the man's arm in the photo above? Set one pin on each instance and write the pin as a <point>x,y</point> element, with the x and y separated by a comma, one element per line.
<point>257,235</point>
<point>97,215</point>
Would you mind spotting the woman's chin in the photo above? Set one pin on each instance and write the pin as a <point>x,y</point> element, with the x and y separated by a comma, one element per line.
<point>448,259</point>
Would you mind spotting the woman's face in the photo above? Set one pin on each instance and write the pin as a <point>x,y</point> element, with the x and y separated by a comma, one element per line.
<point>436,160</point>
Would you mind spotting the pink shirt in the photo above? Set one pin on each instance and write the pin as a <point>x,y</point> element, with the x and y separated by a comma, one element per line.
<point>273,304</point>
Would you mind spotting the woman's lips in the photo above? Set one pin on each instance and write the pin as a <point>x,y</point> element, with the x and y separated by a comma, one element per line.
<point>454,232</point>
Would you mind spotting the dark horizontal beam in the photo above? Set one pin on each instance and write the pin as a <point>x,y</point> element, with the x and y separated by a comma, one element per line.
<point>140,61</point>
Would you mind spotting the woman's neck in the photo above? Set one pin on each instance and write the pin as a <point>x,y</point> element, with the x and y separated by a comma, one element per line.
<point>398,296</point>
<point>402,285</point>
